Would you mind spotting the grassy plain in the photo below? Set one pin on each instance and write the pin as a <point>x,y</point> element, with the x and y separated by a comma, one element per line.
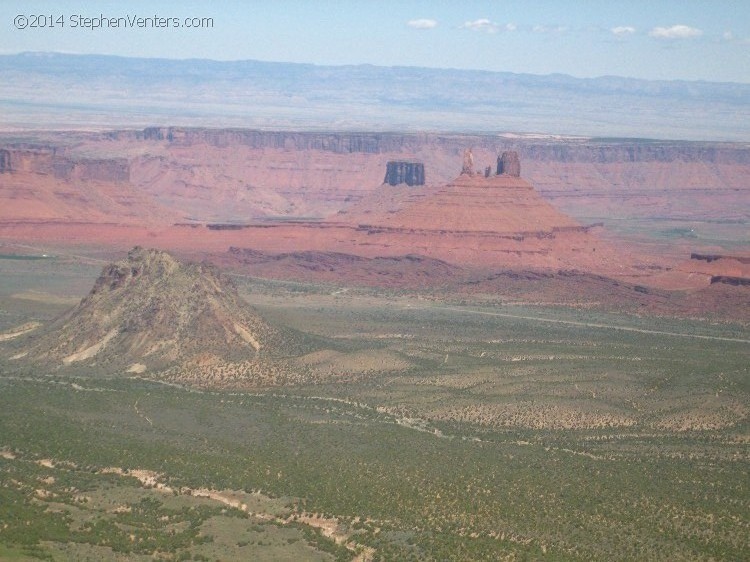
<point>505,432</point>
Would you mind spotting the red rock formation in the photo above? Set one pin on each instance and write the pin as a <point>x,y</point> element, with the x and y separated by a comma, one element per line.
<point>508,164</point>
<point>228,175</point>
<point>409,172</point>
<point>467,169</point>
<point>502,204</point>
<point>161,176</point>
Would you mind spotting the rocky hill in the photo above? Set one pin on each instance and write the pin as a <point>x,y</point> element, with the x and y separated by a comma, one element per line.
<point>150,315</point>
<point>149,312</point>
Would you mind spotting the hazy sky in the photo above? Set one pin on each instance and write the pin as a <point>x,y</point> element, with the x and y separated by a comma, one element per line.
<point>654,39</point>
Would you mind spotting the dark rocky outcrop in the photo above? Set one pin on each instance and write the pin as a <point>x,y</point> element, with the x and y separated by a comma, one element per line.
<point>409,172</point>
<point>4,161</point>
<point>729,280</point>
<point>400,270</point>
<point>715,257</point>
<point>508,164</point>
<point>158,133</point>
<point>225,226</point>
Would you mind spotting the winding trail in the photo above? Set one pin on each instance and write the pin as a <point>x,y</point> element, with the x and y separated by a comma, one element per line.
<point>141,414</point>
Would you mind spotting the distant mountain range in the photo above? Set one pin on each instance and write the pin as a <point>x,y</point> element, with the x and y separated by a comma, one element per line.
<point>52,90</point>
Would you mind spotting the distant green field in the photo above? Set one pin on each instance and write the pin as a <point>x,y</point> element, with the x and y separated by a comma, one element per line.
<point>728,234</point>
<point>517,433</point>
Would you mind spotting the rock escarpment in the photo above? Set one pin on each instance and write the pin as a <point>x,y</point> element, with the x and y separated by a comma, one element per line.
<point>100,169</point>
<point>336,142</point>
<point>50,160</point>
<point>409,172</point>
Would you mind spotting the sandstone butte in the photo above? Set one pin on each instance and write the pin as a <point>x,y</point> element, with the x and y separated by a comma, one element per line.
<point>475,220</point>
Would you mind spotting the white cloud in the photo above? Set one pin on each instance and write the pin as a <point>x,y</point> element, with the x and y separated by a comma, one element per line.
<point>675,32</point>
<point>422,24</point>
<point>510,27</point>
<point>728,35</point>
<point>549,29</point>
<point>623,30</point>
<point>482,24</point>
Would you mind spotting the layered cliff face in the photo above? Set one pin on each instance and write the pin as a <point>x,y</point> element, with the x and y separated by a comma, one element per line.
<point>29,158</point>
<point>339,143</point>
<point>49,159</point>
<point>531,147</point>
<point>104,169</point>
<point>46,182</point>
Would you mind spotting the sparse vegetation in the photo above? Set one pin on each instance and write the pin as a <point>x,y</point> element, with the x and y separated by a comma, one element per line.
<point>499,437</point>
